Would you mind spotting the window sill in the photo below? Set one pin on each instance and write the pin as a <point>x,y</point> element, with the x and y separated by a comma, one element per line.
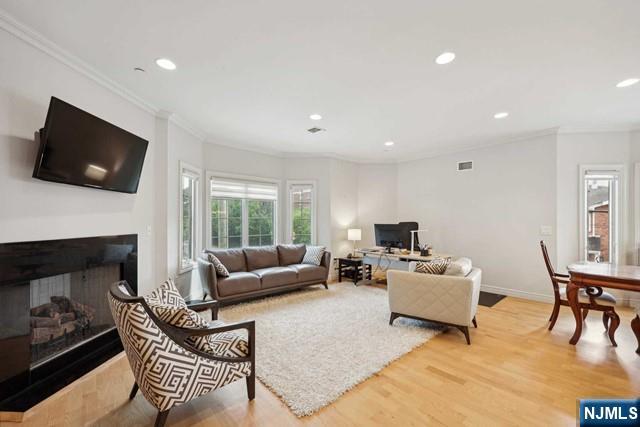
<point>186,268</point>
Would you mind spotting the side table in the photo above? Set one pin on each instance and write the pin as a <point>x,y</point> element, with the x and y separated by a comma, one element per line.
<point>354,269</point>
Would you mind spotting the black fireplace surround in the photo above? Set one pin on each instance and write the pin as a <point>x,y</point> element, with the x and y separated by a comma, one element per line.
<point>55,324</point>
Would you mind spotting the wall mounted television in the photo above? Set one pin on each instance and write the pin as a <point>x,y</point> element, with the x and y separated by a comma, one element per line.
<point>79,148</point>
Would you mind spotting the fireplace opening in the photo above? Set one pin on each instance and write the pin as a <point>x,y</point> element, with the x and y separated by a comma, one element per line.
<point>68,309</point>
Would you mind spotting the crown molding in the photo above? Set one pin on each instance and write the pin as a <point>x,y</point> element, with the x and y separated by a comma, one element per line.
<point>33,38</point>
<point>443,152</point>
<point>568,130</point>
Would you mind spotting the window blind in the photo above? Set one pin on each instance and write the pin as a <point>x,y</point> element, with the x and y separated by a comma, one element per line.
<point>237,189</point>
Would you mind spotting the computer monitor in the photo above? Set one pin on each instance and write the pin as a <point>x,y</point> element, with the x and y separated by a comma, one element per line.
<point>395,235</point>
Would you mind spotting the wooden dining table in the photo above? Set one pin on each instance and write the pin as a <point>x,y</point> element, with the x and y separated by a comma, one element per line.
<point>598,275</point>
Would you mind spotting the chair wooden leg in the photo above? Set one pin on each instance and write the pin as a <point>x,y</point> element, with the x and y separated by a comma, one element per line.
<point>251,385</point>
<point>615,322</point>
<point>554,315</point>
<point>475,323</point>
<point>393,317</point>
<point>161,419</point>
<point>605,320</point>
<point>134,391</point>
<point>635,327</point>
<point>585,312</point>
<point>465,331</point>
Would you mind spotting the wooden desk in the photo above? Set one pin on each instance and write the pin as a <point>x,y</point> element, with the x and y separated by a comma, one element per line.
<point>612,276</point>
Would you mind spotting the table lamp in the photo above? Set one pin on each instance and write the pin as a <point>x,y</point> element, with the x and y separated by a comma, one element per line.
<point>354,234</point>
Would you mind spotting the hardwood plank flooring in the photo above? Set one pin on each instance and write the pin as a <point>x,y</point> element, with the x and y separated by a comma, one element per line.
<point>515,372</point>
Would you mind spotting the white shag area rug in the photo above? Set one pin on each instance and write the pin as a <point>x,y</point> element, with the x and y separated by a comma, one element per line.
<point>314,345</point>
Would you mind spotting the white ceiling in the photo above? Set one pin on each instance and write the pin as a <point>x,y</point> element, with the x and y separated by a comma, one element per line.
<point>250,72</point>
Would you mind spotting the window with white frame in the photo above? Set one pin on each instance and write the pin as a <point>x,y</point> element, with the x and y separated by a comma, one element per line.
<point>600,214</point>
<point>301,216</point>
<point>242,212</point>
<point>189,208</point>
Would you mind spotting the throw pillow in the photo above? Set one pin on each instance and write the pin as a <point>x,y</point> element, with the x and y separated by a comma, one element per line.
<point>221,270</point>
<point>460,267</point>
<point>169,306</point>
<point>313,255</point>
<point>437,266</point>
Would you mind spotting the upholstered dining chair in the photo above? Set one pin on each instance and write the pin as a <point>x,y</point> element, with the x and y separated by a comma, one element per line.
<point>167,369</point>
<point>591,298</point>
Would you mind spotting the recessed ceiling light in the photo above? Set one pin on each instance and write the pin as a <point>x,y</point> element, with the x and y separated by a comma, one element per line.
<point>315,117</point>
<point>501,115</point>
<point>389,143</point>
<point>628,82</point>
<point>165,63</point>
<point>445,58</point>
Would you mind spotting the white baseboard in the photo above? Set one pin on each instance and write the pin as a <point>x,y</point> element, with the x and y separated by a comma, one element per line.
<point>516,293</point>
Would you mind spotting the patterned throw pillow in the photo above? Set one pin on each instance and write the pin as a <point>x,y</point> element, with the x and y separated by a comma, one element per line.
<point>221,270</point>
<point>167,303</point>
<point>437,266</point>
<point>313,255</point>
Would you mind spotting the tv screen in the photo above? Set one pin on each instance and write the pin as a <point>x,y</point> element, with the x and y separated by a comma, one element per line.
<point>79,148</point>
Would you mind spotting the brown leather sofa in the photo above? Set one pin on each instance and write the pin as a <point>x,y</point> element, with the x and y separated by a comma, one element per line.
<point>259,271</point>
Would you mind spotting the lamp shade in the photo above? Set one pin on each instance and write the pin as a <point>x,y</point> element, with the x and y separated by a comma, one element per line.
<point>354,234</point>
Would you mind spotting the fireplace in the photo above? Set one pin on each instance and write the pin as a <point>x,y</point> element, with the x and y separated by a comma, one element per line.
<point>55,323</point>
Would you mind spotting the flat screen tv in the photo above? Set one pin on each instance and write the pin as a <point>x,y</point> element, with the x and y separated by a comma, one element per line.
<point>79,148</point>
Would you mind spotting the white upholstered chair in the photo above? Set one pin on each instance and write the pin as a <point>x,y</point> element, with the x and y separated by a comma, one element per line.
<point>445,299</point>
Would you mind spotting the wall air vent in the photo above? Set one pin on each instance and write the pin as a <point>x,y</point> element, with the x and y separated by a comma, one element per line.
<point>465,166</point>
<point>316,130</point>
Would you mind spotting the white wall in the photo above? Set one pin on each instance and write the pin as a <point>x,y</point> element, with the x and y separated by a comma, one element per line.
<point>492,214</point>
<point>38,210</point>
<point>344,205</point>
<point>377,199</point>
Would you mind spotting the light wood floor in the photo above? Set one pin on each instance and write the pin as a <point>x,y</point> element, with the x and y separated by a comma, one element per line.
<point>515,372</point>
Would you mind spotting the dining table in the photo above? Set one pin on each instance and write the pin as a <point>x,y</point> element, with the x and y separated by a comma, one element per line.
<point>598,276</point>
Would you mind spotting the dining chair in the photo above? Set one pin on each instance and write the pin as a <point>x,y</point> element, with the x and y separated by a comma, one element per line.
<point>590,298</point>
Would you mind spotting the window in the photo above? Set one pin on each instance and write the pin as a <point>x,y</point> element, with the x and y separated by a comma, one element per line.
<point>189,205</point>
<point>242,213</point>
<point>301,213</point>
<point>600,213</point>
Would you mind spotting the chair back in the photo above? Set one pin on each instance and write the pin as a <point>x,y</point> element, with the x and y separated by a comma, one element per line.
<point>550,269</point>
<point>547,260</point>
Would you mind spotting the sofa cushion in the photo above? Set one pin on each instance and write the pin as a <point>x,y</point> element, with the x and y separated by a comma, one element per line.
<point>308,272</point>
<point>238,282</point>
<point>460,267</point>
<point>261,257</point>
<point>291,254</point>
<point>233,259</point>
<point>313,255</point>
<point>273,277</point>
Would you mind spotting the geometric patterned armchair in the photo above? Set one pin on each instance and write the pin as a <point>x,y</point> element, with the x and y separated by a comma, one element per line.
<point>169,369</point>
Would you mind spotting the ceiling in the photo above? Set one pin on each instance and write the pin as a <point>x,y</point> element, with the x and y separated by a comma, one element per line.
<point>251,72</point>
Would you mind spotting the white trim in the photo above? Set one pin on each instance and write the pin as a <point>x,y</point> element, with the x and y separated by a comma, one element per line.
<point>196,173</point>
<point>213,174</point>
<point>621,208</point>
<point>314,210</point>
<point>518,294</point>
<point>25,33</point>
